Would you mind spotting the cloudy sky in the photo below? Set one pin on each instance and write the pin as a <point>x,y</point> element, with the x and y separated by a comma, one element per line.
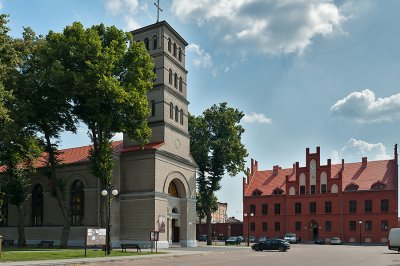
<point>306,73</point>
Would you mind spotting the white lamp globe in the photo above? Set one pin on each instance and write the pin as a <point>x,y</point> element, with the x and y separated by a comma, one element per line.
<point>114,192</point>
<point>104,192</point>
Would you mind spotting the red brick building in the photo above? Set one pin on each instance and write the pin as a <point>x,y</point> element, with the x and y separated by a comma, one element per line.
<point>354,201</point>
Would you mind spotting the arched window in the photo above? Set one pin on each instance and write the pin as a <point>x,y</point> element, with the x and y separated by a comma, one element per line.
<point>175,80</point>
<point>181,116</point>
<point>146,43</point>
<point>77,200</point>
<point>351,187</point>
<point>378,186</point>
<point>170,76</point>
<point>171,110</point>
<point>302,185</point>
<point>4,211</point>
<point>323,181</point>
<point>180,84</point>
<point>155,42</point>
<point>292,191</point>
<point>176,113</point>
<point>173,190</point>
<point>334,188</point>
<point>153,108</point>
<point>174,49</point>
<point>37,205</point>
<point>169,45</point>
<point>180,54</point>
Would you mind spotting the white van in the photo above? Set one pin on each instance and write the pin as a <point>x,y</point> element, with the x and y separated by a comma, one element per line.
<point>394,239</point>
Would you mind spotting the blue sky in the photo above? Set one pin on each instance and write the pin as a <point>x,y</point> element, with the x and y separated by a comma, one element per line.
<point>306,73</point>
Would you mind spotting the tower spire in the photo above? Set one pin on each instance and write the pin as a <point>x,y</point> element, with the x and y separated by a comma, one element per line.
<point>158,9</point>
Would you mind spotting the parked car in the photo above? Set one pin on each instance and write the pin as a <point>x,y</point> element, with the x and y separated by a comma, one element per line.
<point>319,241</point>
<point>262,238</point>
<point>233,240</point>
<point>290,237</point>
<point>202,237</point>
<point>271,244</point>
<point>335,240</point>
<point>252,239</point>
<point>241,238</point>
<point>394,239</point>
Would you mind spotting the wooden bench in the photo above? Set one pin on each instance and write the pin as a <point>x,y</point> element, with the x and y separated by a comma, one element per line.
<point>8,243</point>
<point>46,243</point>
<point>125,246</point>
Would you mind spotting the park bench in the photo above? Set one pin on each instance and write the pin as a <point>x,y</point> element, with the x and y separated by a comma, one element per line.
<point>8,243</point>
<point>46,243</point>
<point>125,246</point>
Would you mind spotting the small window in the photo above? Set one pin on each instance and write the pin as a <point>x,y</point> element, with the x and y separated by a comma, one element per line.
<point>328,206</point>
<point>312,191</point>
<point>153,108</point>
<point>253,209</point>
<point>328,226</point>
<point>323,188</point>
<point>368,206</point>
<point>384,225</point>
<point>176,113</point>
<point>351,187</point>
<point>155,42</point>
<point>37,205</point>
<point>368,225</point>
<point>302,190</point>
<point>334,188</point>
<point>277,208</point>
<point>277,226</point>
<point>252,226</point>
<point>378,186</point>
<point>180,54</point>
<point>180,84</point>
<point>175,80</point>
<point>352,206</point>
<point>265,226</point>
<point>171,110</point>
<point>181,117</point>
<point>77,207</point>
<point>146,43</point>
<point>313,207</point>
<point>297,225</point>
<point>170,77</point>
<point>264,209</point>
<point>353,226</point>
<point>297,208</point>
<point>174,53</point>
<point>169,45</point>
<point>256,192</point>
<point>384,205</point>
<point>277,191</point>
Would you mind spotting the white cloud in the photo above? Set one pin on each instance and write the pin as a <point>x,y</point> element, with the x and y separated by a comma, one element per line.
<point>355,149</point>
<point>267,26</point>
<point>201,58</point>
<point>1,5</point>
<point>364,107</point>
<point>127,9</point>
<point>257,118</point>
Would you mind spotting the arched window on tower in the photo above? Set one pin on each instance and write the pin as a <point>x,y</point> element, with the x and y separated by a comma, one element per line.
<point>181,116</point>
<point>176,113</point>
<point>153,108</point>
<point>77,203</point>
<point>169,45</point>
<point>146,43</point>
<point>4,211</point>
<point>174,49</point>
<point>171,110</point>
<point>37,205</point>
<point>180,54</point>
<point>173,190</point>
<point>180,84</point>
<point>155,42</point>
<point>170,76</point>
<point>175,80</point>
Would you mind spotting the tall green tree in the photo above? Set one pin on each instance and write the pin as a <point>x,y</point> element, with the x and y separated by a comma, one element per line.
<point>44,87</point>
<point>112,76</point>
<point>216,146</point>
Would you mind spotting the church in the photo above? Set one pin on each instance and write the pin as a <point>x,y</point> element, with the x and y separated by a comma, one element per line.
<point>356,202</point>
<point>156,185</point>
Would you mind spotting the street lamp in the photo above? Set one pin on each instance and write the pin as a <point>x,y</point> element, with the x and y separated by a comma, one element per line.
<point>248,226</point>
<point>108,191</point>
<point>360,223</point>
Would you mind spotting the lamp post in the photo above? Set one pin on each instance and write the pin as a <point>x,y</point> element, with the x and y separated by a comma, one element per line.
<point>360,223</point>
<point>248,226</point>
<point>108,191</point>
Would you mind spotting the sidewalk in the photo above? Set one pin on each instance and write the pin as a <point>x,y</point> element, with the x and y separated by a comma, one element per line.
<point>171,252</point>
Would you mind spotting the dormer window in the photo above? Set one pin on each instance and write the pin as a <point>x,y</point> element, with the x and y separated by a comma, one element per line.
<point>351,187</point>
<point>277,191</point>
<point>378,186</point>
<point>256,192</point>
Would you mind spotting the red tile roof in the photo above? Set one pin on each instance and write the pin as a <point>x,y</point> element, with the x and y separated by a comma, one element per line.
<point>80,154</point>
<point>383,171</point>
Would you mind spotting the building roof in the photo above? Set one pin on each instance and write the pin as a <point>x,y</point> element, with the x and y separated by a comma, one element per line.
<point>363,176</point>
<point>81,154</point>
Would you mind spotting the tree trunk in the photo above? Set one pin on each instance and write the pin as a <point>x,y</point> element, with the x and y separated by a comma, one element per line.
<point>59,196</point>
<point>209,229</point>
<point>21,226</point>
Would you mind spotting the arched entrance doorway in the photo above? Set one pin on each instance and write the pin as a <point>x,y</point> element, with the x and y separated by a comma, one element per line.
<point>314,229</point>
<point>175,227</point>
<point>176,193</point>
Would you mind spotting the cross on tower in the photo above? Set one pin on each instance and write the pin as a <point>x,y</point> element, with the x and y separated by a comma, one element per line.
<point>158,9</point>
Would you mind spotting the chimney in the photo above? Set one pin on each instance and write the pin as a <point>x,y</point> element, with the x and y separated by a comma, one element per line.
<point>329,162</point>
<point>318,149</point>
<point>275,169</point>
<point>364,162</point>
<point>255,166</point>
<point>252,166</point>
<point>342,164</point>
<point>307,151</point>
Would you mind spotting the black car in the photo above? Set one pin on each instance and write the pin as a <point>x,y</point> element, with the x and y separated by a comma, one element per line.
<point>319,241</point>
<point>202,237</point>
<point>271,244</point>
<point>233,240</point>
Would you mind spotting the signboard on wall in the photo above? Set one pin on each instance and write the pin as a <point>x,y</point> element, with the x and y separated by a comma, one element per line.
<point>96,236</point>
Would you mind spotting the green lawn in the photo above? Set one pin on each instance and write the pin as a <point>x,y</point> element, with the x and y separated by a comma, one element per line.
<point>26,254</point>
